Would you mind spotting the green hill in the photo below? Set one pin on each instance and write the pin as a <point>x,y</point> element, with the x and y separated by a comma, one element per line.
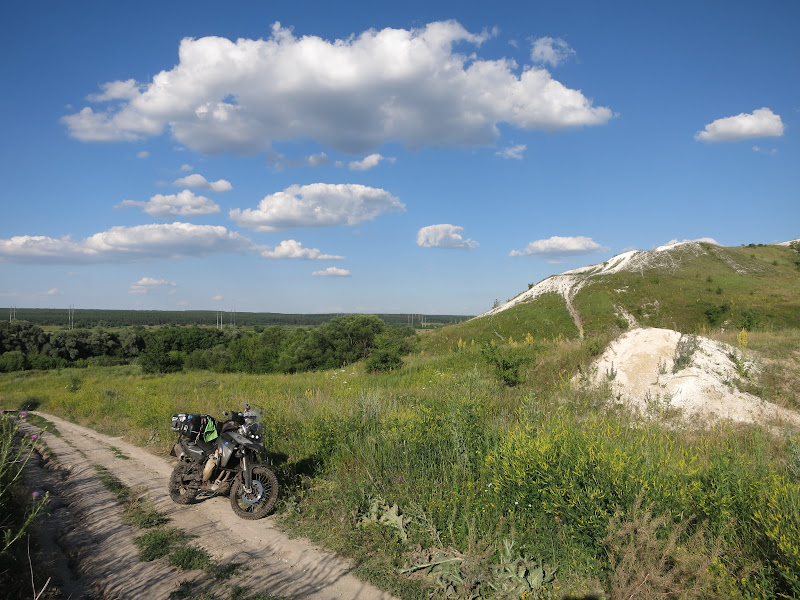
<point>689,287</point>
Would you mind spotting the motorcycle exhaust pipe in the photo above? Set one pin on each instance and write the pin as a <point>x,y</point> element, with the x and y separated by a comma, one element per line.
<point>211,464</point>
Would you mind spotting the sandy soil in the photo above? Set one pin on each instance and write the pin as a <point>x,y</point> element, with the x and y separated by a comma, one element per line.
<point>639,365</point>
<point>85,520</point>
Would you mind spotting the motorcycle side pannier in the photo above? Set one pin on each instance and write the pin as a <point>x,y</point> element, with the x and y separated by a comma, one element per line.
<point>186,424</point>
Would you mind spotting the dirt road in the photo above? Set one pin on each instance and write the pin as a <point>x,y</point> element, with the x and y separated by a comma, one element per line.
<point>87,521</point>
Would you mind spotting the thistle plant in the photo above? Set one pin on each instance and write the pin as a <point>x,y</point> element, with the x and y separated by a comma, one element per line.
<point>16,450</point>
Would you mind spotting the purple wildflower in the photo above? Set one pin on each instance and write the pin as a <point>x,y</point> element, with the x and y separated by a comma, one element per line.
<point>23,414</point>
<point>35,495</point>
<point>34,437</point>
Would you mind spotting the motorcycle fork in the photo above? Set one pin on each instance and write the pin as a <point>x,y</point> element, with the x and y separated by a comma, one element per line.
<point>247,474</point>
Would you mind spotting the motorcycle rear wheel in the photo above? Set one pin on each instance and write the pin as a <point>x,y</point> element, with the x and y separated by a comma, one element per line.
<point>183,483</point>
<point>261,501</point>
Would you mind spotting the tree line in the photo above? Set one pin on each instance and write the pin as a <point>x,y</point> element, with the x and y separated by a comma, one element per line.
<point>89,318</point>
<point>342,340</point>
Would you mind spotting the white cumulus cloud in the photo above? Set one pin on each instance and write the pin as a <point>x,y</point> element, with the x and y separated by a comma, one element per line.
<point>352,95</point>
<point>294,249</point>
<point>368,162</point>
<point>760,123</point>
<point>186,168</point>
<point>317,205</point>
<point>332,272</point>
<point>126,244</point>
<point>444,236</point>
<point>147,284</point>
<point>198,182</point>
<point>560,246</point>
<point>182,204</point>
<point>550,51</point>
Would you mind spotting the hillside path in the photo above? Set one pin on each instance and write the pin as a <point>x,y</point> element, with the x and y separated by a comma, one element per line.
<point>276,564</point>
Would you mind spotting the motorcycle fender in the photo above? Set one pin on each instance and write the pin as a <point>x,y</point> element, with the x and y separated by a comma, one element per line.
<point>177,450</point>
<point>245,443</point>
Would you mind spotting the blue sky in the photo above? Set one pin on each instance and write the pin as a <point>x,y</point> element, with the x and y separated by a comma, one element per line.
<point>373,157</point>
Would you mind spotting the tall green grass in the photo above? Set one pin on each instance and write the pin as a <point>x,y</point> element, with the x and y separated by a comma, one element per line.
<point>440,455</point>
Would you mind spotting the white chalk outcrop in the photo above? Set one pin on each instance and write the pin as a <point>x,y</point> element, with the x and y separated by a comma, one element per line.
<point>638,366</point>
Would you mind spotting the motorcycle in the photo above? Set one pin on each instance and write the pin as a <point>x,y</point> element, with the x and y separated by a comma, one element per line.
<point>223,458</point>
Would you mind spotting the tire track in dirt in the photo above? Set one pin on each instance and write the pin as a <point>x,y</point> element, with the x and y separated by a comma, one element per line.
<point>277,564</point>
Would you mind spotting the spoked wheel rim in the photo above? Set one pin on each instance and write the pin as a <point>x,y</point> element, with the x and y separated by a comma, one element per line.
<point>256,494</point>
<point>261,498</point>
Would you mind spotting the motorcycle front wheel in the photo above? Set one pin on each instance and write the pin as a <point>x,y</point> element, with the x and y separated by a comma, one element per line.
<point>183,483</point>
<point>261,500</point>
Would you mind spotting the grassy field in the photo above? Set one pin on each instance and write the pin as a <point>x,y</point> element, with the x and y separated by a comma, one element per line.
<point>439,480</point>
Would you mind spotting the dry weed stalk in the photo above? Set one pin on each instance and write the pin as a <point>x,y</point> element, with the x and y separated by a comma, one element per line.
<point>651,557</point>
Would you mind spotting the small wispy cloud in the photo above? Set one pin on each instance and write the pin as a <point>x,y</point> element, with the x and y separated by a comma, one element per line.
<point>368,162</point>
<point>143,154</point>
<point>147,284</point>
<point>558,246</point>
<point>444,236</point>
<point>764,150</point>
<point>550,51</point>
<point>294,249</point>
<point>514,152</point>
<point>280,162</point>
<point>198,182</point>
<point>332,272</point>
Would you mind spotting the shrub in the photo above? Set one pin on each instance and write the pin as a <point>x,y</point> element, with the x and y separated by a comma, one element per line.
<point>384,359</point>
<point>12,361</point>
<point>749,320</point>
<point>684,351</point>
<point>156,358</point>
<point>507,363</point>
<point>389,349</point>
<point>716,314</point>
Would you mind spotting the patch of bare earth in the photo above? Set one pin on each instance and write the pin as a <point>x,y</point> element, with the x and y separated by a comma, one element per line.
<point>639,367</point>
<point>86,523</point>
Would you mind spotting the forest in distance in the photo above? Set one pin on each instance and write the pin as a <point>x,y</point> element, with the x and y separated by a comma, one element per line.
<point>84,318</point>
<point>342,340</point>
